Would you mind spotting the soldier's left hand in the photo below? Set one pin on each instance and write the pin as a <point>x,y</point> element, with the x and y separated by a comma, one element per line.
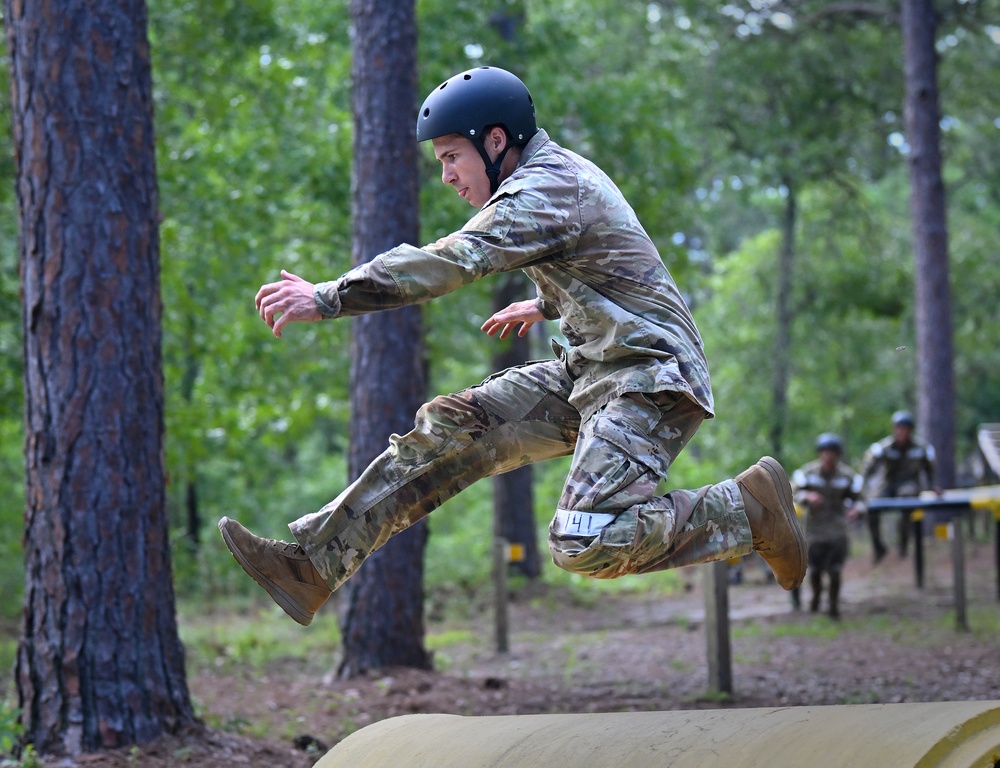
<point>525,313</point>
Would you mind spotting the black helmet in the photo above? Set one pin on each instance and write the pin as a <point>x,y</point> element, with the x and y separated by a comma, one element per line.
<point>472,102</point>
<point>828,441</point>
<point>904,418</point>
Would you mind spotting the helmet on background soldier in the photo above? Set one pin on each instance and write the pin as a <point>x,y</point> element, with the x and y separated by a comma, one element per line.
<point>828,441</point>
<point>903,418</point>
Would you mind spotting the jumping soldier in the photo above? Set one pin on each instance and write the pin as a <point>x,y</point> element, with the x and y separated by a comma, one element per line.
<point>623,398</point>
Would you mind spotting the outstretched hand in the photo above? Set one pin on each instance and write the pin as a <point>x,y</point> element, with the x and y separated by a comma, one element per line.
<point>287,301</point>
<point>523,313</point>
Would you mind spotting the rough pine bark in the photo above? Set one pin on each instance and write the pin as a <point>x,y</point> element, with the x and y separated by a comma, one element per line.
<point>99,662</point>
<point>384,623</point>
<point>928,212</point>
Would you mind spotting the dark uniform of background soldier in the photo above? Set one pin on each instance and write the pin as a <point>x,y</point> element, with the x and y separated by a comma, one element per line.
<point>830,493</point>
<point>898,466</point>
<point>623,398</point>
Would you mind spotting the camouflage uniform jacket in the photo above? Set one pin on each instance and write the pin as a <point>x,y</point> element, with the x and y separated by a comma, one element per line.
<point>827,521</point>
<point>559,218</point>
<point>893,470</point>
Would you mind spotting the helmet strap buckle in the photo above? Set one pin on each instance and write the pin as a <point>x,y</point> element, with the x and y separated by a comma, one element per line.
<point>492,166</point>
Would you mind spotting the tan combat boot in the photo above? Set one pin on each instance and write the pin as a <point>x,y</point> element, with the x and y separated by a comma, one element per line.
<point>767,497</point>
<point>284,570</point>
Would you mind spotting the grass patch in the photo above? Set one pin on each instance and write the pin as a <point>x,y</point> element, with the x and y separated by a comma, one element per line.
<point>253,637</point>
<point>870,696</point>
<point>712,697</point>
<point>664,583</point>
<point>448,638</point>
<point>750,629</point>
<point>822,628</point>
<point>228,723</point>
<point>984,623</point>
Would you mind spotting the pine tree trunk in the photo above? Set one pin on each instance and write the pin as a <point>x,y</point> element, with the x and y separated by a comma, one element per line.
<point>782,364</point>
<point>99,663</point>
<point>384,620</point>
<point>935,359</point>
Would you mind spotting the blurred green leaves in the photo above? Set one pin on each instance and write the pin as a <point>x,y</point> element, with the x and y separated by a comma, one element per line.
<point>701,113</point>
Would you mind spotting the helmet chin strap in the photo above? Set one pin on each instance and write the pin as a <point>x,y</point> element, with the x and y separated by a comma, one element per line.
<point>492,166</point>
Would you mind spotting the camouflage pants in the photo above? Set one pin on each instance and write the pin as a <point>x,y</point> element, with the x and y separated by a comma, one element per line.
<point>609,521</point>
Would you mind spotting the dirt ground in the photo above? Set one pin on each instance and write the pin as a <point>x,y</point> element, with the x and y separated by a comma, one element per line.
<point>893,643</point>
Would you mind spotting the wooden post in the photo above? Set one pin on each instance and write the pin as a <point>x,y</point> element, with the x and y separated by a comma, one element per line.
<point>958,570</point>
<point>500,617</point>
<point>720,667</point>
<point>916,523</point>
<point>996,545</point>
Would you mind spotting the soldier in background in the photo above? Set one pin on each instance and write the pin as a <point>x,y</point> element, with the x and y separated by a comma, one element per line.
<point>830,493</point>
<point>623,398</point>
<point>898,466</point>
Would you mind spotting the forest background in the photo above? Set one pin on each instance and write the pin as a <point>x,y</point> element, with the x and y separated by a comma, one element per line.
<point>741,133</point>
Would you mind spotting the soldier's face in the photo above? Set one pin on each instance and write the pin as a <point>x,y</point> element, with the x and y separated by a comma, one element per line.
<point>828,457</point>
<point>462,167</point>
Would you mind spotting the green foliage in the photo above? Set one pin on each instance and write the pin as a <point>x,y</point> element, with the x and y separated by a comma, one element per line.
<point>8,649</point>
<point>10,727</point>
<point>28,759</point>
<point>822,115</point>
<point>11,367</point>
<point>705,115</point>
<point>852,343</point>
<point>458,555</point>
<point>254,162</point>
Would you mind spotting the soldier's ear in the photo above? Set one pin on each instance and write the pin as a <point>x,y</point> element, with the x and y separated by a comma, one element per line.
<point>496,139</point>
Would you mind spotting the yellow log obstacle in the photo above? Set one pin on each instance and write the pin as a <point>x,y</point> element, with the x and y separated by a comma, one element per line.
<point>918,735</point>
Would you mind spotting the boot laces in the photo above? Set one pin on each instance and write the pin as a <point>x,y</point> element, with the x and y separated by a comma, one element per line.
<point>286,548</point>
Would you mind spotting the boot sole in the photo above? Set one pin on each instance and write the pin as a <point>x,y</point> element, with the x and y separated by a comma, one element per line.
<point>282,598</point>
<point>780,480</point>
